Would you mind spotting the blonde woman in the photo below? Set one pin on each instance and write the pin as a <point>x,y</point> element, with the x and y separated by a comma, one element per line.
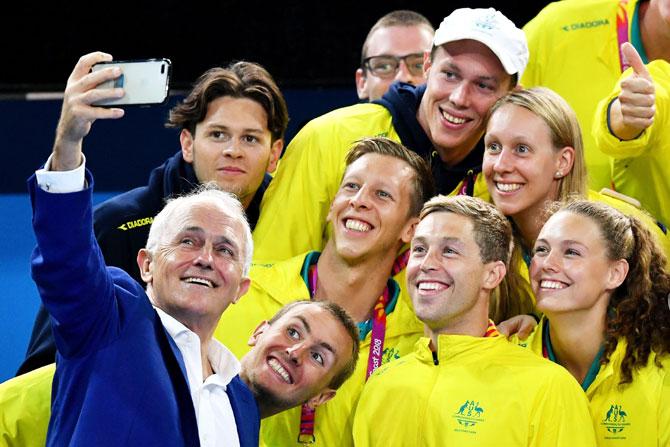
<point>534,156</point>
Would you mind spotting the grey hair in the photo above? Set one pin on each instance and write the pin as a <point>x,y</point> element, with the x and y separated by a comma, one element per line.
<point>210,193</point>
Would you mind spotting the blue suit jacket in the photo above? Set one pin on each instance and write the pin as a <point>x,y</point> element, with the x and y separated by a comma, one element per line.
<point>120,379</point>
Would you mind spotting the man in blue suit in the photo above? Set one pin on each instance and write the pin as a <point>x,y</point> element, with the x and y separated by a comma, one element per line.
<point>138,367</point>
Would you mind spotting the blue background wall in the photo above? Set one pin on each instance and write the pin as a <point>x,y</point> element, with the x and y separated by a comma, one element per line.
<point>120,153</point>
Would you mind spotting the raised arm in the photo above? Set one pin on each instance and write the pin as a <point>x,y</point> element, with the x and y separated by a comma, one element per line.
<point>67,265</point>
<point>78,113</point>
<point>633,110</point>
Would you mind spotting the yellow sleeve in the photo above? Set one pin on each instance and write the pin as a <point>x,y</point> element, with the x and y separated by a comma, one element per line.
<point>25,403</point>
<point>664,408</point>
<point>391,408</point>
<point>369,415</point>
<point>608,143</point>
<point>295,205</point>
<point>361,430</point>
<point>561,415</point>
<point>536,38</point>
<point>631,210</point>
<point>651,137</point>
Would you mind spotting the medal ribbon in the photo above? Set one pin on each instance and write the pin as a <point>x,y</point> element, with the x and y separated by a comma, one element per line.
<point>622,32</point>
<point>307,417</point>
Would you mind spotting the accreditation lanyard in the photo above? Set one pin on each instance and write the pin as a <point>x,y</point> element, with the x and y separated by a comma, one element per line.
<point>468,185</point>
<point>307,417</point>
<point>622,32</point>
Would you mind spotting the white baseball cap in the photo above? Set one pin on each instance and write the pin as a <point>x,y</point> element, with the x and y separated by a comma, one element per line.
<point>491,28</point>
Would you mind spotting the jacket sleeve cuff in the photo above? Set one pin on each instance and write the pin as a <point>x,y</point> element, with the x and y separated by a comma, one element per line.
<point>61,181</point>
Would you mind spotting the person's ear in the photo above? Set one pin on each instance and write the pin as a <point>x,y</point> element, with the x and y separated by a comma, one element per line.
<point>427,63</point>
<point>260,329</point>
<point>494,274</point>
<point>144,261</point>
<point>186,141</point>
<point>361,85</point>
<point>408,230</point>
<point>565,161</point>
<point>617,274</point>
<point>321,398</point>
<point>330,217</point>
<point>275,153</point>
<point>242,289</point>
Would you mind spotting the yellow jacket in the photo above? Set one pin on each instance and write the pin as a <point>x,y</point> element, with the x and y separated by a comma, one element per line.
<point>295,205</point>
<point>574,51</point>
<point>483,392</point>
<point>637,414</point>
<point>278,284</point>
<point>641,167</point>
<point>631,210</point>
<point>25,408</point>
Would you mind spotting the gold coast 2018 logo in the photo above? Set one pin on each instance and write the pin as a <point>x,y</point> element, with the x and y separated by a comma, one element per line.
<point>616,419</point>
<point>469,414</point>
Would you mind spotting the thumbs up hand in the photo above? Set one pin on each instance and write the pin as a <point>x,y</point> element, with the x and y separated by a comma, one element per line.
<point>633,111</point>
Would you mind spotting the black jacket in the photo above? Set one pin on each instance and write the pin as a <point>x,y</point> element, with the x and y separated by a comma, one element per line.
<point>402,101</point>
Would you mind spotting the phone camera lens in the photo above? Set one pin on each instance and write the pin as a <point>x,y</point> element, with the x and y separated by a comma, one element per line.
<point>162,68</point>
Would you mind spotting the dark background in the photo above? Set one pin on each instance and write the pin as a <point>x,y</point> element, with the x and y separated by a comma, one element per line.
<point>303,44</point>
<point>311,48</point>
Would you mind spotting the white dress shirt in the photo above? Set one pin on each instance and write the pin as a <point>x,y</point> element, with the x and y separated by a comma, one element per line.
<point>216,421</point>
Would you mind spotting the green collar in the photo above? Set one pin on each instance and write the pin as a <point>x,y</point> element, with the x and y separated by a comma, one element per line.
<point>636,36</point>
<point>364,327</point>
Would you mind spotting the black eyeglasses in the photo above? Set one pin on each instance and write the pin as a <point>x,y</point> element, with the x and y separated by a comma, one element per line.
<point>386,66</point>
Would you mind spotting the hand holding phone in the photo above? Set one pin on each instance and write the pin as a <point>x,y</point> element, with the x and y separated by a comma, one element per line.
<point>144,82</point>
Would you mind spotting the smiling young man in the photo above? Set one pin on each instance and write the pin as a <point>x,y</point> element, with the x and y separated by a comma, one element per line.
<point>477,56</point>
<point>300,356</point>
<point>232,128</point>
<point>393,51</point>
<point>465,384</point>
<point>138,367</point>
<point>372,216</point>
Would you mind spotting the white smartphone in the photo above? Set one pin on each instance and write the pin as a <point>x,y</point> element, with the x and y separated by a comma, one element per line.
<point>144,82</point>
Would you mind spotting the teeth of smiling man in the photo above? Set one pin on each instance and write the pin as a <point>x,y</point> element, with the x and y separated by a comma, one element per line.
<point>202,281</point>
<point>453,119</point>
<point>276,366</point>
<point>357,225</point>
<point>430,286</point>
<point>552,285</point>
<point>507,187</point>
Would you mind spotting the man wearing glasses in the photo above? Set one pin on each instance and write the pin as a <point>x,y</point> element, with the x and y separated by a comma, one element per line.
<point>477,56</point>
<point>393,51</point>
